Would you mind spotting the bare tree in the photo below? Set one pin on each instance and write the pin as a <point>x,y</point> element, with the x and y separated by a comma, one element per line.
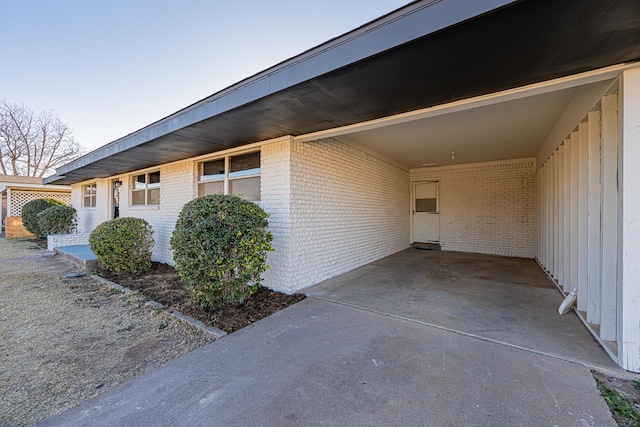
<point>34,144</point>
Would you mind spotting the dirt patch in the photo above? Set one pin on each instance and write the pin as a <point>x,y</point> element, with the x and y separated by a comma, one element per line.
<point>162,284</point>
<point>67,340</point>
<point>623,389</point>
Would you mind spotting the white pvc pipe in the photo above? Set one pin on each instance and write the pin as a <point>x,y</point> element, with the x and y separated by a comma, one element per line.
<point>568,302</point>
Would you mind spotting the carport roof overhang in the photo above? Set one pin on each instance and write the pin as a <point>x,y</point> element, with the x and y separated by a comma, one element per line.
<point>425,54</point>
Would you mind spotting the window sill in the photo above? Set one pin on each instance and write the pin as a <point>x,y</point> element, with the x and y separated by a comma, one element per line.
<point>144,207</point>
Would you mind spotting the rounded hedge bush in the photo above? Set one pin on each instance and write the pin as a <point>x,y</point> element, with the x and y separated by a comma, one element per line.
<point>123,245</point>
<point>30,213</point>
<point>220,247</point>
<point>57,220</point>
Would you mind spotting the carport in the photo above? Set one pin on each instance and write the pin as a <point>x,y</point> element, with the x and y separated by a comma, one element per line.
<point>508,301</point>
<point>576,134</point>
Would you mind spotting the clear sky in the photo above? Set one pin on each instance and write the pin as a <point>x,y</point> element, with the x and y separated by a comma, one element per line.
<point>110,67</point>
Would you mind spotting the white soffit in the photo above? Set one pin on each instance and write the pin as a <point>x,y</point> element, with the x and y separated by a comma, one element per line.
<point>499,126</point>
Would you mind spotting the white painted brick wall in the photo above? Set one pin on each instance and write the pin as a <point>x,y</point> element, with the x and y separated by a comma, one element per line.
<point>275,189</point>
<point>348,208</point>
<point>61,240</point>
<point>177,187</point>
<point>89,218</point>
<point>334,207</point>
<point>486,208</point>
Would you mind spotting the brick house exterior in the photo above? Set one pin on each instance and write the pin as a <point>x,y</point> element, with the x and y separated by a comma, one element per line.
<point>468,126</point>
<point>325,222</point>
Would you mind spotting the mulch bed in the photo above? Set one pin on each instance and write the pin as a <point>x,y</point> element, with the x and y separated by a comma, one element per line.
<point>162,284</point>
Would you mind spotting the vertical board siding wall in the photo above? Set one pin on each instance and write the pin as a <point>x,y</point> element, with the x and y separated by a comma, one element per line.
<point>486,208</point>
<point>628,275</point>
<point>577,219</point>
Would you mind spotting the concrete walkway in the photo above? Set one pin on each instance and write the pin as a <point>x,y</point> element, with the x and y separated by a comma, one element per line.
<point>80,255</point>
<point>329,361</point>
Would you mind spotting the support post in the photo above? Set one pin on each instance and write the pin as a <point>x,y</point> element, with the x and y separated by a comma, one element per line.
<point>629,222</point>
<point>575,151</point>
<point>583,211</point>
<point>609,236</point>
<point>594,222</point>
<point>567,215</point>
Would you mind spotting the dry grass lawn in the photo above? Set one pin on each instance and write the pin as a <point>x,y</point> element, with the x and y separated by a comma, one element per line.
<point>68,340</point>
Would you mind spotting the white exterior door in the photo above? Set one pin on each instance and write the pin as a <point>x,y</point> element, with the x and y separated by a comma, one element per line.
<point>426,212</point>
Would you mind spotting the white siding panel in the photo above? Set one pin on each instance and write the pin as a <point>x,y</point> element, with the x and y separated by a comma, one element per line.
<point>583,210</point>
<point>629,224</point>
<point>608,319</point>
<point>594,222</point>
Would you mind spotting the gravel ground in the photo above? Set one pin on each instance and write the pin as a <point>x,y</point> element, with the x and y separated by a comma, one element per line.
<point>68,340</point>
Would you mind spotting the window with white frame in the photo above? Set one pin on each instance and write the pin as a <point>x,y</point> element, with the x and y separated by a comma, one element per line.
<point>89,195</point>
<point>146,189</point>
<point>234,174</point>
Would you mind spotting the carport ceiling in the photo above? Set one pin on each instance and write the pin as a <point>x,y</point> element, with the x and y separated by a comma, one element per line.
<point>506,130</point>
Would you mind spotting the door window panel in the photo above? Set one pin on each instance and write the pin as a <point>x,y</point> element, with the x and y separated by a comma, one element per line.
<point>426,205</point>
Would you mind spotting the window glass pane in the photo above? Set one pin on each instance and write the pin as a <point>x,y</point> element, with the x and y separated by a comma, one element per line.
<point>426,205</point>
<point>154,180</point>
<point>140,182</point>
<point>247,188</point>
<point>154,196</point>
<point>213,169</point>
<point>89,189</point>
<point>89,195</point>
<point>246,164</point>
<point>137,197</point>
<point>215,187</point>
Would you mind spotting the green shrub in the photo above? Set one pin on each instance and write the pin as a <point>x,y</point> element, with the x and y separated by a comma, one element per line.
<point>30,213</point>
<point>123,245</point>
<point>57,220</point>
<point>220,247</point>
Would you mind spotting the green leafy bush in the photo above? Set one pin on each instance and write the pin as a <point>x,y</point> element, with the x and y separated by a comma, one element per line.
<point>220,247</point>
<point>30,213</point>
<point>123,245</point>
<point>57,220</point>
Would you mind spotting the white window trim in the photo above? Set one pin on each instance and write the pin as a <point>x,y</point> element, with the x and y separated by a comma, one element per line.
<point>146,189</point>
<point>95,195</point>
<point>228,176</point>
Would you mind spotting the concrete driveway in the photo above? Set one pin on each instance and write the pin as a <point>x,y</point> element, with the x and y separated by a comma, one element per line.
<point>504,300</point>
<point>385,344</point>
